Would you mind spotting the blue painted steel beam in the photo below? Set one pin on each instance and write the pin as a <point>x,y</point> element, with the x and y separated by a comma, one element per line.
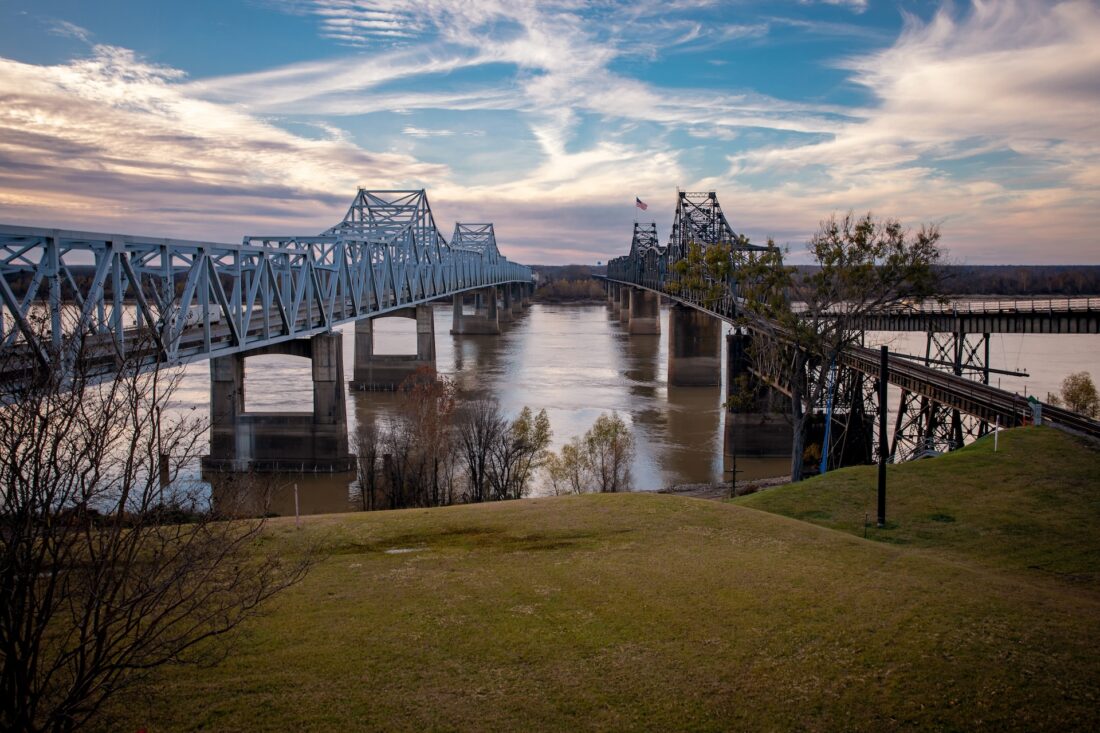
<point>181,301</point>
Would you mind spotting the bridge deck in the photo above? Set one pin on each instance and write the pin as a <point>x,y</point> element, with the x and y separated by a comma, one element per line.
<point>958,393</point>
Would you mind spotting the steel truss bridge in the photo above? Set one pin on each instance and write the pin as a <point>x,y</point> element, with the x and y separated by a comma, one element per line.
<point>171,301</point>
<point>946,398</point>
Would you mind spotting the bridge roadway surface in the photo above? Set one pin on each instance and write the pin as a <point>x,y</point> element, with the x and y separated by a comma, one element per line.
<point>973,398</point>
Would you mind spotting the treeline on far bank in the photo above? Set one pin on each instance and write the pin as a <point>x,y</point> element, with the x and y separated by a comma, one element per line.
<point>563,283</point>
<point>575,283</point>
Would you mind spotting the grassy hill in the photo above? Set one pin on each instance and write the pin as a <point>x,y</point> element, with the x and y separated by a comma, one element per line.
<point>656,612</point>
<point>1034,505</point>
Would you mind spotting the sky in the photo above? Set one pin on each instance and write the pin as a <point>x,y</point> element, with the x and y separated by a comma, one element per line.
<point>216,119</point>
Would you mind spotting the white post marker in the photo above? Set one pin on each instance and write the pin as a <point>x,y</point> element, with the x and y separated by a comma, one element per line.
<point>996,432</point>
<point>297,516</point>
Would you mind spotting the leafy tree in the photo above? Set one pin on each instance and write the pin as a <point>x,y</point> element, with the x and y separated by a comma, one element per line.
<point>517,453</point>
<point>109,566</point>
<point>703,273</point>
<point>571,471</point>
<point>802,320</point>
<point>609,446</point>
<point>1078,394</point>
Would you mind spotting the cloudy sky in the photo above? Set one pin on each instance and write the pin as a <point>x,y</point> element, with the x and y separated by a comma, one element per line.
<point>212,119</point>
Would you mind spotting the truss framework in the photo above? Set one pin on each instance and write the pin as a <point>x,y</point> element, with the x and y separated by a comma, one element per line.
<point>699,220</point>
<point>925,427</point>
<point>181,301</point>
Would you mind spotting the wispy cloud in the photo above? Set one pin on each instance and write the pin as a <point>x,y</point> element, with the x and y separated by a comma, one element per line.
<point>128,144</point>
<point>69,30</point>
<point>982,117</point>
<point>1015,77</point>
<point>420,132</point>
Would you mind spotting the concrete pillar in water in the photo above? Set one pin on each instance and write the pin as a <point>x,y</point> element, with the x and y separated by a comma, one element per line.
<point>754,427</point>
<point>694,343</point>
<point>483,321</point>
<point>315,441</point>
<point>527,290</point>
<point>624,303</point>
<point>386,372</point>
<point>645,312</point>
<point>504,312</point>
<point>613,294</point>
<point>517,297</point>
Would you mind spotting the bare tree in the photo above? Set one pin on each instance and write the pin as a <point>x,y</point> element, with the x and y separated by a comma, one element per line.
<point>480,427</point>
<point>367,443</point>
<point>428,403</point>
<point>101,580</point>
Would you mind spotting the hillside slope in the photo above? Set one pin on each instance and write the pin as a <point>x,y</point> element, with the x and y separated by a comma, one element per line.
<point>1033,505</point>
<point>637,612</point>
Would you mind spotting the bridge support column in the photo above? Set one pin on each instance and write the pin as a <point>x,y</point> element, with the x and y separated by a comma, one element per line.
<point>517,297</point>
<point>624,304</point>
<point>484,320</point>
<point>645,312</point>
<point>694,356</point>
<point>314,441</point>
<point>753,426</point>
<point>504,313</point>
<point>613,294</point>
<point>526,291</point>
<point>386,372</point>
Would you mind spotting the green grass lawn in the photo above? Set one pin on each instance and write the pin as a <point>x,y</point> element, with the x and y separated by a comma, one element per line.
<point>657,612</point>
<point>1034,505</point>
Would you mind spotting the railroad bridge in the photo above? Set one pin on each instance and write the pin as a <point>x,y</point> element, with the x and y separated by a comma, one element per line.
<point>945,398</point>
<point>95,301</point>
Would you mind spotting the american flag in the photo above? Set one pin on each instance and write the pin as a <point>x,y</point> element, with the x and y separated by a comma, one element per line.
<point>640,204</point>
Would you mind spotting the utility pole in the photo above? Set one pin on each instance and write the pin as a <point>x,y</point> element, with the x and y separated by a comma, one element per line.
<point>883,445</point>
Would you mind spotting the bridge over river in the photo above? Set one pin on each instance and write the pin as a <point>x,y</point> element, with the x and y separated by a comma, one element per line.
<point>945,395</point>
<point>97,303</point>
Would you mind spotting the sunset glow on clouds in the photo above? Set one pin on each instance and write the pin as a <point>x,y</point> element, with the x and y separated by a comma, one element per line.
<point>218,120</point>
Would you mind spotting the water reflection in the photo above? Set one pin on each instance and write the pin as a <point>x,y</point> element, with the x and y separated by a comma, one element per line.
<point>270,495</point>
<point>576,362</point>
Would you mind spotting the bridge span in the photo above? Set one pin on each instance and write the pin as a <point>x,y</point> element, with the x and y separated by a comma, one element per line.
<point>946,398</point>
<point>98,303</point>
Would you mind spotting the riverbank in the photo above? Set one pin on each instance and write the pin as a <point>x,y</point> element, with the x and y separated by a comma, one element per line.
<point>723,491</point>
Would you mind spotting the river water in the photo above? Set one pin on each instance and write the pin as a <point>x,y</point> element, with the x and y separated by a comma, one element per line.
<point>577,362</point>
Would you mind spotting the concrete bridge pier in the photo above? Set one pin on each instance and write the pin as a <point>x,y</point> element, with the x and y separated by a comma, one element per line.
<point>645,312</point>
<point>754,425</point>
<point>694,348</point>
<point>517,297</point>
<point>387,371</point>
<point>314,441</point>
<point>504,310</point>
<point>624,303</point>
<point>483,322</point>
<point>526,291</point>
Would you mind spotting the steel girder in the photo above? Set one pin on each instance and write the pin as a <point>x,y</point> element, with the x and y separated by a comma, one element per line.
<point>925,427</point>
<point>480,238</point>
<point>699,220</point>
<point>178,301</point>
